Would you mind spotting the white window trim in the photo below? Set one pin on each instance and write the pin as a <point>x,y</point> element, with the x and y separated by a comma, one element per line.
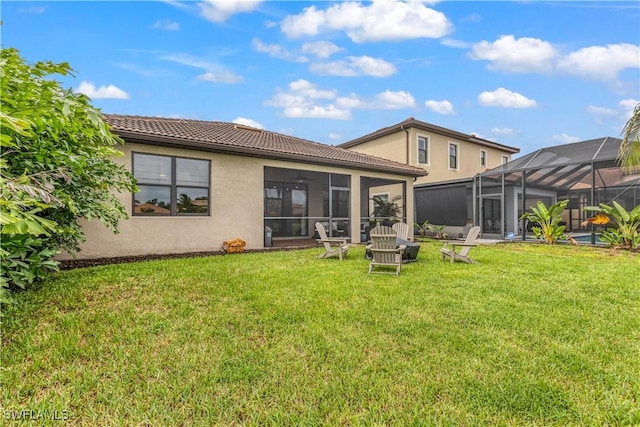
<point>505,159</point>
<point>428,139</point>
<point>457,168</point>
<point>486,158</point>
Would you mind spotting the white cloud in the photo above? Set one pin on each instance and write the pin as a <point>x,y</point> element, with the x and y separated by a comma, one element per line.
<point>628,105</point>
<point>566,139</point>
<point>441,107</point>
<point>503,131</point>
<point>600,111</point>
<point>221,10</point>
<point>220,76</point>
<point>301,101</point>
<point>102,92</point>
<point>167,25</point>
<point>248,122</point>
<point>505,98</point>
<point>321,49</point>
<point>317,112</point>
<point>308,89</point>
<point>601,62</point>
<point>277,51</point>
<point>32,9</point>
<point>458,44</point>
<point>387,100</point>
<point>380,20</point>
<point>304,99</point>
<point>355,66</point>
<point>214,72</point>
<point>335,137</point>
<point>523,55</point>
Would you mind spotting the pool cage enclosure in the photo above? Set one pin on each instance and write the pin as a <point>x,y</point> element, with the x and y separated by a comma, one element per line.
<point>586,173</point>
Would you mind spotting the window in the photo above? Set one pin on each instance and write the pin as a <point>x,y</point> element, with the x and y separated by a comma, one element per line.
<point>453,156</point>
<point>483,158</point>
<point>505,159</point>
<point>170,186</point>
<point>423,149</point>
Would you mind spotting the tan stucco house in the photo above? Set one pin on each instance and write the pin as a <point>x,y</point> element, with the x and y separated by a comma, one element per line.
<point>446,154</point>
<point>202,183</point>
<point>452,159</point>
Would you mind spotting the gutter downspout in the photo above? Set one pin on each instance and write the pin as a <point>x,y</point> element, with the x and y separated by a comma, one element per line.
<point>406,131</point>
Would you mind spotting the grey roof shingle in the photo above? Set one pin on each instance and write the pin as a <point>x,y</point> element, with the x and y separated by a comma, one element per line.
<point>243,140</point>
<point>428,127</point>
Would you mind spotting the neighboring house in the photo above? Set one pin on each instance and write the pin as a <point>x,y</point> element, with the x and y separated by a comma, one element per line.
<point>201,183</point>
<point>451,158</point>
<point>446,154</point>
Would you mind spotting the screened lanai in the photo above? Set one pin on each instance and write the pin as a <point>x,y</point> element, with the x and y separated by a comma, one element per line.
<point>585,173</point>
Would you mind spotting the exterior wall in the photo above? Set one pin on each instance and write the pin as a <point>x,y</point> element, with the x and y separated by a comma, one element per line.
<point>394,147</point>
<point>391,147</point>
<point>236,209</point>
<point>438,161</point>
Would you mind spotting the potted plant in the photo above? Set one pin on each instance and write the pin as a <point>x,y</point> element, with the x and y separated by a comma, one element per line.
<point>386,210</point>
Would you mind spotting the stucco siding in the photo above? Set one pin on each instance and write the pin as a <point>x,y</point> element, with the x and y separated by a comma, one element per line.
<point>236,208</point>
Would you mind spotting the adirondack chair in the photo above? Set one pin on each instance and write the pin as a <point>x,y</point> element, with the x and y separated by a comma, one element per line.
<point>402,228</point>
<point>332,245</point>
<point>466,245</point>
<point>385,250</point>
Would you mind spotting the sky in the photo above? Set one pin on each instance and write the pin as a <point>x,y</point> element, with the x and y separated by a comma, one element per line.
<point>527,74</point>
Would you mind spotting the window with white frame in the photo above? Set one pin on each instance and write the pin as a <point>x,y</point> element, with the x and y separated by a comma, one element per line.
<point>170,186</point>
<point>423,149</point>
<point>483,158</point>
<point>453,156</point>
<point>505,159</point>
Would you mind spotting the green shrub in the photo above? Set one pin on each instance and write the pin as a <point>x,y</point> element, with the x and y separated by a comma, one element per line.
<point>548,221</point>
<point>624,231</point>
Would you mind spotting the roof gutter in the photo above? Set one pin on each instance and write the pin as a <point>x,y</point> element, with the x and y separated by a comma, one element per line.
<point>135,137</point>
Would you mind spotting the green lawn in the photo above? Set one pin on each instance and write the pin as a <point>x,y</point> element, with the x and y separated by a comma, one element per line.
<point>533,335</point>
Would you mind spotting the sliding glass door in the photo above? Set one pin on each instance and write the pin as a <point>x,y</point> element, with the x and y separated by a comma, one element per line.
<point>286,208</point>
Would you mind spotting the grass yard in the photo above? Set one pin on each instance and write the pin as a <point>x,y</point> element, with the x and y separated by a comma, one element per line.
<point>533,335</point>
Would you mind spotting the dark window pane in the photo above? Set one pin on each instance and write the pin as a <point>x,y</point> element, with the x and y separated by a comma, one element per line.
<point>192,201</point>
<point>273,200</point>
<point>422,150</point>
<point>152,200</point>
<point>150,169</point>
<point>190,172</point>
<point>338,180</point>
<point>453,156</point>
<point>422,156</point>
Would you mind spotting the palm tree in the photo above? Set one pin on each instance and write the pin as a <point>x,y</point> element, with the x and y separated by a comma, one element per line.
<point>629,154</point>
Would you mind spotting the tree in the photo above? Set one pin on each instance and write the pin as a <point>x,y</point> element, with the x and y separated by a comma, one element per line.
<point>56,168</point>
<point>629,154</point>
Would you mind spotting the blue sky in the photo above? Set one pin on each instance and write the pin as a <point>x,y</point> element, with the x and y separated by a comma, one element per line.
<point>524,74</point>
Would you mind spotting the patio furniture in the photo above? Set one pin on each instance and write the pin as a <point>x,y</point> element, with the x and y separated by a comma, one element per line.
<point>466,245</point>
<point>410,253</point>
<point>332,245</point>
<point>384,250</point>
<point>402,228</point>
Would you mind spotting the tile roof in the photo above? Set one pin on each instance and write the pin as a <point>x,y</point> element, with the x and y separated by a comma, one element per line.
<point>428,127</point>
<point>244,140</point>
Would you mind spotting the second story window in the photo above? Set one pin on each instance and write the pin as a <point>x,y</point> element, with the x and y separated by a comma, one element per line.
<point>483,158</point>
<point>423,149</point>
<point>505,159</point>
<point>453,156</point>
